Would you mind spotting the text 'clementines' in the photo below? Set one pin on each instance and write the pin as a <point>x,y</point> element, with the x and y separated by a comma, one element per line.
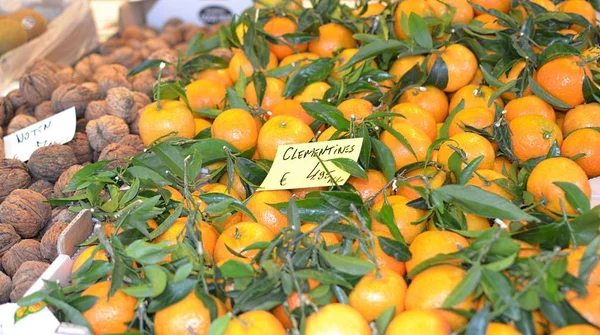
<point>309,164</point>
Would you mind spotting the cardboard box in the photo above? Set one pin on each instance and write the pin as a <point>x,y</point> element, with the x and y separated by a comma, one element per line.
<point>70,35</point>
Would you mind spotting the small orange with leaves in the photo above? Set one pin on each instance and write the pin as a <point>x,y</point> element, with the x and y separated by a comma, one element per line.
<point>237,238</point>
<point>165,120</point>
<point>239,63</point>
<point>577,330</point>
<point>429,244</point>
<point>574,260</point>
<point>109,314</point>
<point>282,130</point>
<point>86,254</point>
<point>533,135</point>
<point>377,291</point>
<point>220,76</point>
<point>236,126</point>
<point>582,116</point>
<point>461,65</point>
<point>528,105</point>
<point>292,108</point>
<point>323,237</point>
<point>416,116</point>
<point>463,10</point>
<point>255,323</point>
<point>260,206</point>
<point>496,328</point>
<point>416,139</point>
<point>430,98</point>
<point>367,188</point>
<point>491,181</point>
<point>403,12</point>
<point>337,319</point>
<point>500,5</point>
<point>416,178</point>
<point>586,142</point>
<point>277,27</point>
<point>419,321</point>
<point>430,288</point>
<point>384,261</point>
<point>356,109</point>
<point>475,96</point>
<point>489,21</point>
<point>563,77</point>
<point>476,117</point>
<point>342,59</point>
<point>332,37</point>
<point>403,64</point>
<point>314,91</point>
<point>556,169</point>
<point>408,220</point>
<point>205,93</point>
<point>512,75</point>
<point>587,305</point>
<point>272,96</point>
<point>472,145</point>
<point>185,316</point>
<point>579,7</point>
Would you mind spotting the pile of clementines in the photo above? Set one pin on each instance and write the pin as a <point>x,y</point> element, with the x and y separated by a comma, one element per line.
<point>468,210</point>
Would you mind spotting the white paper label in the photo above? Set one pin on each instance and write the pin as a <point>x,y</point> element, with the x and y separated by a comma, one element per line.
<point>57,129</point>
<point>202,13</point>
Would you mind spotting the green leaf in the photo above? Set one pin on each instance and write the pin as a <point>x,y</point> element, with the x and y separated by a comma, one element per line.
<point>438,75</point>
<point>417,29</point>
<point>575,196</point>
<point>448,121</point>
<point>200,43</point>
<point>293,215</point>
<point>350,166</point>
<point>386,216</point>
<point>585,226</point>
<point>147,64</point>
<point>347,264</point>
<point>324,277</point>
<point>260,85</point>
<point>384,158</point>
<point>317,70</point>
<point>148,253</point>
<point>556,50</point>
<point>171,156</point>
<point>131,193</point>
<point>218,326</point>
<point>173,293</point>
<point>235,100</point>
<point>462,291</point>
<point>398,136</point>
<point>394,248</point>
<point>474,200</point>
<point>374,49</point>
<point>326,113</point>
<point>384,319</point>
<point>468,171</point>
<point>479,323</point>
<point>309,209</point>
<point>71,314</point>
<point>544,95</point>
<point>203,62</point>
<point>589,260</point>
<point>183,272</point>
<point>214,198</point>
<point>236,269</point>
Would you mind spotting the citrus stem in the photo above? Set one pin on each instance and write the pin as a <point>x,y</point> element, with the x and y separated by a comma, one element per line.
<point>160,71</point>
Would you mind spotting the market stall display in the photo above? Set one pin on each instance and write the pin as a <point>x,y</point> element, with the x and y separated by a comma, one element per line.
<point>448,146</point>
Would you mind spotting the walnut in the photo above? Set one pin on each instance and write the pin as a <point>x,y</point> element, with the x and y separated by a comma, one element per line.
<point>71,95</point>
<point>154,44</point>
<point>111,45</point>
<point>45,64</point>
<point>68,75</point>
<point>172,23</point>
<point>96,109</point>
<point>13,175</point>
<point>5,288</point>
<point>109,76</point>
<point>25,109</point>
<point>133,32</point>
<point>25,277</point>
<point>87,66</point>
<point>143,82</point>
<point>121,103</point>
<point>38,84</point>
<point>126,56</point>
<point>43,110</point>
<point>64,180</point>
<point>81,124</point>
<point>81,148</point>
<point>16,98</point>
<point>19,122</point>
<point>106,130</point>
<point>117,151</point>
<point>141,100</point>
<point>167,55</point>
<point>7,111</point>
<point>50,241</point>
<point>2,153</point>
<point>26,250</point>
<point>134,126</point>
<point>8,238</point>
<point>133,141</point>
<point>43,187</point>
<point>49,162</point>
<point>26,211</point>
<point>149,32</point>
<point>224,53</point>
<point>171,35</point>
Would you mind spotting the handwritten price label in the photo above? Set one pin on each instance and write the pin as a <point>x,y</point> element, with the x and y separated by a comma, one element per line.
<point>298,165</point>
<point>57,129</point>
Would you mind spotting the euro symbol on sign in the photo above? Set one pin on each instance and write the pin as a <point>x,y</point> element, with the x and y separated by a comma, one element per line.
<point>283,179</point>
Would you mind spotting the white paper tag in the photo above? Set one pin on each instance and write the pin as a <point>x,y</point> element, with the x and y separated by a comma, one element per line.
<point>57,129</point>
<point>202,13</point>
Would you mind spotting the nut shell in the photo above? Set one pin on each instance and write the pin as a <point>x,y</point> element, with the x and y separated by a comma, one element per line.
<point>49,244</point>
<point>111,76</point>
<point>24,251</point>
<point>81,148</point>
<point>143,82</point>
<point>7,111</point>
<point>106,130</point>
<point>49,162</point>
<point>19,122</point>
<point>64,180</point>
<point>96,109</point>
<point>44,188</point>
<point>121,102</point>
<point>134,141</point>
<point>72,95</point>
<point>43,110</point>
<point>8,238</point>
<point>16,98</point>
<point>87,66</point>
<point>68,75</point>
<point>38,84</point>
<point>13,175</point>
<point>5,288</point>
<point>25,277</point>
<point>27,211</point>
<point>126,56</point>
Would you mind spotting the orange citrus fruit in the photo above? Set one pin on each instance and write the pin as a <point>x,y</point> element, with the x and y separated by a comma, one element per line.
<point>430,243</point>
<point>332,37</point>
<point>377,291</point>
<point>110,314</point>
<point>418,140</point>
<point>401,65</point>
<point>477,117</point>
<point>282,130</point>
<point>403,11</point>
<point>580,7</point>
<point>588,305</point>
<point>185,316</point>
<point>237,238</point>
<point>416,178</point>
<point>460,63</point>
<point>236,126</point>
<point>272,95</point>
<point>500,5</point>
<point>266,215</point>
<point>205,93</point>
<point>562,78</point>
<point>587,142</point>
<point>254,323</point>
<point>406,218</point>
<point>367,188</point>
<point>574,262</point>
<point>429,98</point>
<point>533,135</point>
<point>577,330</point>
<point>311,92</point>
<point>528,105</point>
<point>472,145</point>
<point>384,261</point>
<point>240,63</point>
<point>488,180</point>
<point>277,27</point>
<point>292,108</point>
<point>356,109</point>
<point>582,116</point>
<point>475,96</point>
<point>337,319</point>
<point>419,321</point>
<point>220,76</point>
<point>416,116</point>
<point>85,254</point>
<point>172,119</point>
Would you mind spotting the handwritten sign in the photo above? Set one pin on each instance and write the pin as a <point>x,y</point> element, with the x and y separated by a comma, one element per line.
<point>298,165</point>
<point>57,129</point>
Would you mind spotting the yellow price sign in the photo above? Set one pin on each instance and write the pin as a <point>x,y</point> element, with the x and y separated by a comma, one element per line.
<point>308,164</point>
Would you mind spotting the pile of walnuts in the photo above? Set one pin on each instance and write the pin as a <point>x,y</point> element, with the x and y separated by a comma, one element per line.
<point>108,104</point>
